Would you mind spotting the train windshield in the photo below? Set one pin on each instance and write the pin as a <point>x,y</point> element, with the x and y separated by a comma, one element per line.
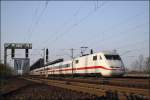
<point>112,57</point>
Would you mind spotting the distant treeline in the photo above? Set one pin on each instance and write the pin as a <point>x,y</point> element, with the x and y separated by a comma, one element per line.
<point>5,71</point>
<point>142,64</point>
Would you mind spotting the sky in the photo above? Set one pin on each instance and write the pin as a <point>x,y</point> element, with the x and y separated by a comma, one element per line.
<point>62,25</point>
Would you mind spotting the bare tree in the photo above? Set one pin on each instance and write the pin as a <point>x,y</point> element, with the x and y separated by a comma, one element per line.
<point>147,65</point>
<point>141,60</point>
<point>138,65</point>
<point>135,65</point>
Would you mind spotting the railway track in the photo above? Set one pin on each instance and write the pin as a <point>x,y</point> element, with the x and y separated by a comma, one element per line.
<point>36,91</point>
<point>123,82</point>
<point>122,93</point>
<point>14,84</point>
<point>16,89</point>
<point>127,82</point>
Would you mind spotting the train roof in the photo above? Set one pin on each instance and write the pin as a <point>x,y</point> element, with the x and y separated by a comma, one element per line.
<point>109,52</point>
<point>102,52</point>
<point>58,61</point>
<point>55,61</point>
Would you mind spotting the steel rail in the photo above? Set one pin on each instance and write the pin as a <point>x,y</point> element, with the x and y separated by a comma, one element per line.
<point>96,89</point>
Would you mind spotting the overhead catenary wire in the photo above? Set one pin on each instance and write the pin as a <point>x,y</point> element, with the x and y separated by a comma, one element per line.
<point>31,29</point>
<point>60,28</point>
<point>129,19</point>
<point>82,19</point>
<point>42,12</point>
<point>129,53</point>
<point>131,44</point>
<point>74,25</point>
<point>96,4</point>
<point>119,33</point>
<point>122,48</point>
<point>62,35</point>
<point>68,53</point>
<point>32,22</point>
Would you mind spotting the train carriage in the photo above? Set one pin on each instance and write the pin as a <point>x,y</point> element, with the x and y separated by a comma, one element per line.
<point>103,63</point>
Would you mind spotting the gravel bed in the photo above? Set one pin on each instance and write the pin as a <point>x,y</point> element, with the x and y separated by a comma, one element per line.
<point>36,91</point>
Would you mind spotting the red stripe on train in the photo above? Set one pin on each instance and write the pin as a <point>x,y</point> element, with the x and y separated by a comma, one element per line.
<point>84,68</point>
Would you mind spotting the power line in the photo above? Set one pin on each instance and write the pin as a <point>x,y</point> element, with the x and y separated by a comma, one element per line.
<point>129,50</point>
<point>63,25</point>
<point>38,19</point>
<point>110,37</point>
<point>32,21</point>
<point>143,41</point>
<point>76,24</point>
<point>41,14</point>
<point>96,4</point>
<point>72,52</point>
<point>124,54</point>
<point>30,28</point>
<point>114,26</point>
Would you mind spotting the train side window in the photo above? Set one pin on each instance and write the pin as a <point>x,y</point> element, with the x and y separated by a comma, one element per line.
<point>100,57</point>
<point>63,66</point>
<point>94,57</point>
<point>76,61</point>
<point>68,65</point>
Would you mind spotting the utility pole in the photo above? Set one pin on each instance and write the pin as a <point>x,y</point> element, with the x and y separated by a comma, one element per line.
<point>44,55</point>
<point>44,58</point>
<point>47,53</point>
<point>0,47</point>
<point>5,56</point>
<point>72,53</point>
<point>72,57</point>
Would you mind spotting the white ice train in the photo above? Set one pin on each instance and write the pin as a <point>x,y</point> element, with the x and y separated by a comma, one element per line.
<point>104,63</point>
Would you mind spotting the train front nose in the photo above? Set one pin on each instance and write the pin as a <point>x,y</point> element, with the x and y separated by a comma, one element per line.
<point>118,71</point>
<point>117,67</point>
<point>113,71</point>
